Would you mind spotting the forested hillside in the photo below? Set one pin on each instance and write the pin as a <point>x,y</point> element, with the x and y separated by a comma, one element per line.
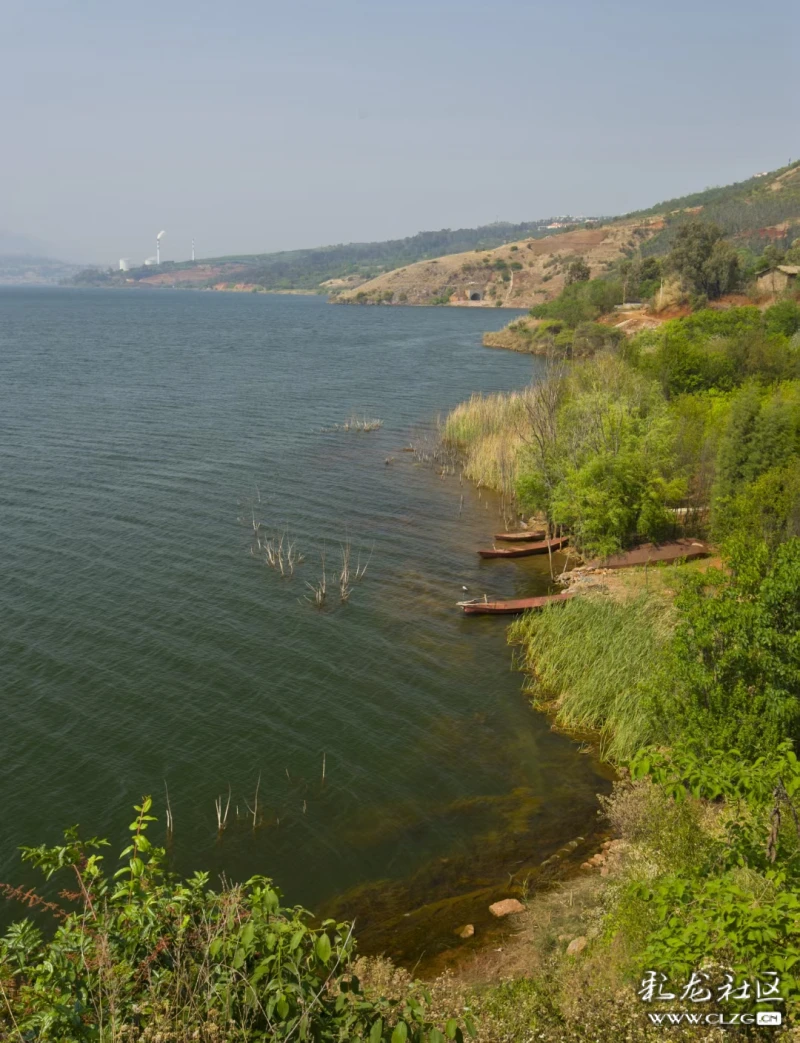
<point>761,209</point>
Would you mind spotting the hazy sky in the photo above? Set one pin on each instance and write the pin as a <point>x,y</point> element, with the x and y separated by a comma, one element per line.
<point>258,126</point>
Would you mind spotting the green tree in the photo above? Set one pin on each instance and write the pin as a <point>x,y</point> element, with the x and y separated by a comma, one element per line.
<point>783,318</point>
<point>772,256</point>
<point>704,263</point>
<point>609,470</point>
<point>736,444</point>
<point>721,270</point>
<point>640,277</point>
<point>762,432</point>
<point>766,510</point>
<point>578,271</point>
<point>581,302</point>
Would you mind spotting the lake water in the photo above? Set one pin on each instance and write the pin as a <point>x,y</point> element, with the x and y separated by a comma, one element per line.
<point>143,644</point>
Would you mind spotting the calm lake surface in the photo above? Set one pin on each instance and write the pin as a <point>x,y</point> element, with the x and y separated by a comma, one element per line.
<point>142,643</point>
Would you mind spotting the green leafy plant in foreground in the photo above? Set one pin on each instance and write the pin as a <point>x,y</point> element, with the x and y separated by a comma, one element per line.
<point>146,955</point>
<point>737,910</point>
<point>734,675</point>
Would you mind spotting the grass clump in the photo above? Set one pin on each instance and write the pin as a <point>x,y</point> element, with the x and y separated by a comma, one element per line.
<point>488,432</point>
<point>589,661</point>
<point>364,423</point>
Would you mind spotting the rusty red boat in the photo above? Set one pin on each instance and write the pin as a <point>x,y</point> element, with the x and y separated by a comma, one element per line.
<point>523,550</point>
<point>484,607</point>
<point>517,537</point>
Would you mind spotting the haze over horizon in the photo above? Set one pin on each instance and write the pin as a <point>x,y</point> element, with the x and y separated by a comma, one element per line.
<point>271,128</point>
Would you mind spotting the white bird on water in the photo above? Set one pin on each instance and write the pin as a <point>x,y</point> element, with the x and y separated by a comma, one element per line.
<point>464,588</point>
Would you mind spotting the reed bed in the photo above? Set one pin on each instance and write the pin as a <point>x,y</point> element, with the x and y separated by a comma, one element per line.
<point>489,433</point>
<point>280,553</point>
<point>347,575</point>
<point>319,590</point>
<point>592,661</point>
<point>356,423</point>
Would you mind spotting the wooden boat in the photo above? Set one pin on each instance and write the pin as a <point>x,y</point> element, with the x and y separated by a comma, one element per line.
<point>653,553</point>
<point>523,550</point>
<point>516,537</point>
<point>489,608</point>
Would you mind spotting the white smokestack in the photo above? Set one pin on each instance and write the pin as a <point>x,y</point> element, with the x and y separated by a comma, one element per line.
<point>158,246</point>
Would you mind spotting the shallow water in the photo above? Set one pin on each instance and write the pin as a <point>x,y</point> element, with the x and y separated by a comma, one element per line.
<point>142,643</point>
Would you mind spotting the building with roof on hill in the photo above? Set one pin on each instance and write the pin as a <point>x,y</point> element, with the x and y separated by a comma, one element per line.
<point>778,279</point>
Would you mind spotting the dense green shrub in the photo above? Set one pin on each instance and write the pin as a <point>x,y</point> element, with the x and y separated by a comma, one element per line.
<point>143,954</point>
<point>766,510</point>
<point>783,318</point>
<point>718,350</point>
<point>581,301</point>
<point>734,674</point>
<point>762,431</point>
<point>734,907</point>
<point>608,473</point>
<point>688,416</point>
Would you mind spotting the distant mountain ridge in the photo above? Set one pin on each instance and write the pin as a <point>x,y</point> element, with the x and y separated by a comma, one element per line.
<point>17,244</point>
<point>763,207</point>
<point>28,261</point>
<point>30,270</point>
<point>311,269</point>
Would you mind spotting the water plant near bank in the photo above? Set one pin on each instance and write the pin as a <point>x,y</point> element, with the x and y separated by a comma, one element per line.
<point>588,661</point>
<point>356,423</point>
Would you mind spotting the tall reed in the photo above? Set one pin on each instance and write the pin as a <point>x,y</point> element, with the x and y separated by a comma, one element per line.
<point>489,432</point>
<point>591,661</point>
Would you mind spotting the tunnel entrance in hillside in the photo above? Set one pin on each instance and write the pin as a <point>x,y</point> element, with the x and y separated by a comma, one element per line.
<point>475,296</point>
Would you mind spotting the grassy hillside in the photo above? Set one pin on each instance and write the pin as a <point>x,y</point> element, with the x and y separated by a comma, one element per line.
<point>515,275</point>
<point>752,214</point>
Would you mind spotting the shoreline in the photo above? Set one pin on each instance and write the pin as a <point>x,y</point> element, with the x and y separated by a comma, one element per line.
<point>426,937</point>
<point>533,848</point>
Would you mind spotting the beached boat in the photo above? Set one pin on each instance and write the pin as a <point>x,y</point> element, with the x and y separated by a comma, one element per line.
<point>524,549</point>
<point>652,554</point>
<point>516,537</point>
<point>477,607</point>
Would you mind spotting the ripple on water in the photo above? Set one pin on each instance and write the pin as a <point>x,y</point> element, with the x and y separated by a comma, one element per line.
<point>141,642</point>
